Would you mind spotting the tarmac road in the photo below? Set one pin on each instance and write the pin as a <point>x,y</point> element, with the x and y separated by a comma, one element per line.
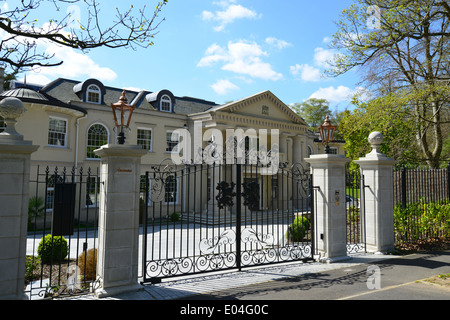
<point>400,278</point>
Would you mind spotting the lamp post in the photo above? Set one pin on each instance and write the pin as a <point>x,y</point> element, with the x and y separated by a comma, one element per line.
<point>122,115</point>
<point>327,131</point>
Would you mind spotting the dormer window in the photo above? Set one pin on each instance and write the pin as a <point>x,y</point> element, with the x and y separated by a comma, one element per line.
<point>90,91</point>
<point>93,94</point>
<point>166,103</point>
<point>162,100</point>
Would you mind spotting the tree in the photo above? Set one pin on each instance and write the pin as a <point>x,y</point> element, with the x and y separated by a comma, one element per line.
<point>382,114</point>
<point>313,111</point>
<point>80,27</point>
<point>407,54</point>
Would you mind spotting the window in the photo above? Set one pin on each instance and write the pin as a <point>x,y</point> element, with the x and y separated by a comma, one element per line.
<point>93,94</point>
<point>2,124</point>
<point>142,190</point>
<point>144,138</point>
<point>333,150</point>
<point>97,136</point>
<point>171,186</point>
<point>172,140</point>
<point>166,104</point>
<point>92,192</point>
<point>57,132</point>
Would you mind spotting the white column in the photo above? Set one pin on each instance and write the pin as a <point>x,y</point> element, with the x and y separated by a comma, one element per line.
<point>117,264</point>
<point>15,154</point>
<point>378,202</point>
<point>329,176</point>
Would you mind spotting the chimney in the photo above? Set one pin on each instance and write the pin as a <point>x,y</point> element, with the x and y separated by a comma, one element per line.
<point>2,78</point>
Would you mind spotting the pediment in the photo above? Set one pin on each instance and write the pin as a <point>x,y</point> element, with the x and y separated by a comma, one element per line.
<point>264,106</point>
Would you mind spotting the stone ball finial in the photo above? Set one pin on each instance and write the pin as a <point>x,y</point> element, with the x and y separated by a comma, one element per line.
<point>376,139</point>
<point>11,109</point>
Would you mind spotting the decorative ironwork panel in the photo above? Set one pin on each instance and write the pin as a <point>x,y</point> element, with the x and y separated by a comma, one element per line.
<point>209,217</point>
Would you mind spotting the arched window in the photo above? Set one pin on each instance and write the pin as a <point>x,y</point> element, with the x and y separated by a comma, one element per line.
<point>93,94</point>
<point>97,136</point>
<point>166,103</point>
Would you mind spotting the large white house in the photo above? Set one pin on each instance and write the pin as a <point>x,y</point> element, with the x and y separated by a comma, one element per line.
<point>69,119</point>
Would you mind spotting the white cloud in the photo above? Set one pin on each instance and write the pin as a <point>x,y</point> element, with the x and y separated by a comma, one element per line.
<point>243,58</point>
<point>335,95</point>
<point>75,65</point>
<point>224,86</point>
<point>322,57</point>
<point>280,44</point>
<point>230,13</point>
<point>306,72</point>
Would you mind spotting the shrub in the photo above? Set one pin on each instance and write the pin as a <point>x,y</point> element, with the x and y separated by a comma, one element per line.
<point>422,220</point>
<point>52,248</point>
<point>87,264</point>
<point>31,265</point>
<point>174,217</point>
<point>297,230</point>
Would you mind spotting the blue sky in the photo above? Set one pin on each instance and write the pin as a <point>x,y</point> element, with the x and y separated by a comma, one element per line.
<point>224,50</point>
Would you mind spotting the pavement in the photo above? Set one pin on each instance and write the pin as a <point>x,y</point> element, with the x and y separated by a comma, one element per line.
<point>361,277</point>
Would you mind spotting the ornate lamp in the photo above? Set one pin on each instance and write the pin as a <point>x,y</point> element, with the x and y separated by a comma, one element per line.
<point>122,115</point>
<point>327,131</point>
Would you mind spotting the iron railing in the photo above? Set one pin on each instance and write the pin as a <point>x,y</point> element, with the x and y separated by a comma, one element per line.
<point>63,209</point>
<point>422,203</point>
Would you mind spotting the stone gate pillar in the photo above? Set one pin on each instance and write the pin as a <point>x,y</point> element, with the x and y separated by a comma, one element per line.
<point>328,172</point>
<point>379,198</point>
<point>15,154</point>
<point>117,262</point>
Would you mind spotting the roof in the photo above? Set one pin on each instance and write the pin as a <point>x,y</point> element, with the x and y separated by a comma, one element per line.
<point>31,96</point>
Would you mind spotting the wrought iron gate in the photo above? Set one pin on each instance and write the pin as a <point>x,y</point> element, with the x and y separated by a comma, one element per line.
<point>210,217</point>
<point>355,212</point>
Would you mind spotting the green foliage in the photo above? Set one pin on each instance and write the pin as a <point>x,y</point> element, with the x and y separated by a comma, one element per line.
<point>52,248</point>
<point>422,220</point>
<point>36,208</point>
<point>313,111</point>
<point>387,115</point>
<point>31,264</point>
<point>174,217</point>
<point>297,230</point>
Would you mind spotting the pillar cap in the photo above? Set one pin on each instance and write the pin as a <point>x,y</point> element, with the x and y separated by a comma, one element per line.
<point>121,150</point>
<point>327,158</point>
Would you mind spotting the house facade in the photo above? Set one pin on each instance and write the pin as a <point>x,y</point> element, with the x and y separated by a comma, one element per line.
<point>70,119</point>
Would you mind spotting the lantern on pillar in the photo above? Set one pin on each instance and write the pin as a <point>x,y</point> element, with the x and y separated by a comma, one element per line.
<point>122,116</point>
<point>327,131</point>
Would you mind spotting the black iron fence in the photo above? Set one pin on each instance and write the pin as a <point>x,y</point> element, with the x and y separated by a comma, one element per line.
<point>422,204</point>
<point>62,232</point>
